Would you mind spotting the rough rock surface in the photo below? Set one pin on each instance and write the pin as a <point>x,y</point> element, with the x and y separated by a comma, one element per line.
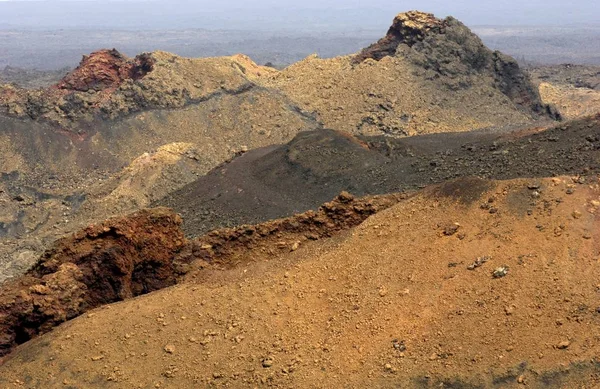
<point>408,28</point>
<point>426,75</point>
<point>106,69</point>
<point>447,48</point>
<point>112,261</point>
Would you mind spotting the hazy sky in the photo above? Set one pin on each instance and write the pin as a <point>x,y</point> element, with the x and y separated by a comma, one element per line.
<point>275,14</point>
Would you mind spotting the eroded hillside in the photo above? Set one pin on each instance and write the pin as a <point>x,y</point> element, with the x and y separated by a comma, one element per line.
<point>437,290</point>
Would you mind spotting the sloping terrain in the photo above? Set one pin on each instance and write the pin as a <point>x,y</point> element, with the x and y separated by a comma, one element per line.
<point>426,75</point>
<point>435,291</point>
<point>281,180</point>
<point>573,89</point>
<point>127,256</point>
<point>66,147</point>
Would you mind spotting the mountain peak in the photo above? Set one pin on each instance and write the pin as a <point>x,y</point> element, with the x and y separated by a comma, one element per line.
<point>407,28</point>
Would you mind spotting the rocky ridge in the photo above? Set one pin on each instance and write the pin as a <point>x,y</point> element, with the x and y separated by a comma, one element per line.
<point>124,257</point>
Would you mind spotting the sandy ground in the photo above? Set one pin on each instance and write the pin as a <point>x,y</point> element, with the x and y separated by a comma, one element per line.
<point>469,284</point>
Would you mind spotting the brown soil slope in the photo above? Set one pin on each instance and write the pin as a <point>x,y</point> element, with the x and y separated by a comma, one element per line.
<point>427,75</point>
<point>468,285</point>
<point>315,166</point>
<point>128,256</point>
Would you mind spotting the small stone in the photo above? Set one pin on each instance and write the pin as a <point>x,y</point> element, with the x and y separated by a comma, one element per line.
<point>295,246</point>
<point>97,358</point>
<point>399,345</point>
<point>267,362</point>
<point>345,197</point>
<point>170,349</point>
<point>576,215</point>
<point>451,229</point>
<point>521,379</point>
<point>570,191</point>
<point>500,272</point>
<point>563,345</point>
<point>388,366</point>
<point>478,262</point>
<point>383,292</point>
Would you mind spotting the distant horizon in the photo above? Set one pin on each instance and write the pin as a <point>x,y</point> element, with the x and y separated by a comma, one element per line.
<point>269,15</point>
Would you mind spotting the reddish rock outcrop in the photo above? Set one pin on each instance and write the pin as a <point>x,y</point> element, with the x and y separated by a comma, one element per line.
<point>117,259</point>
<point>230,246</point>
<point>106,69</point>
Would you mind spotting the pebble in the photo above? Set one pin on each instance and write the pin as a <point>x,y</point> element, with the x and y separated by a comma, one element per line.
<point>500,272</point>
<point>576,214</point>
<point>563,345</point>
<point>170,349</point>
<point>267,362</point>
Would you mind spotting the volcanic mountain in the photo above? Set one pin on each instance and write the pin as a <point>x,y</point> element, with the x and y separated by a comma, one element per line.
<point>73,143</point>
<point>426,75</point>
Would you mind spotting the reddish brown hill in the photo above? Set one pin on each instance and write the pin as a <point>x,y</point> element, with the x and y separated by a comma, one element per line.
<point>106,69</point>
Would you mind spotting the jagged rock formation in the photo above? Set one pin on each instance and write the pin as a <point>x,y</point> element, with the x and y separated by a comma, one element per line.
<point>426,75</point>
<point>408,29</point>
<point>106,69</point>
<point>104,263</point>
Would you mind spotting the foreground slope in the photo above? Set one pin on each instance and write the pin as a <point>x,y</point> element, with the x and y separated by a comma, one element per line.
<point>426,75</point>
<point>469,284</point>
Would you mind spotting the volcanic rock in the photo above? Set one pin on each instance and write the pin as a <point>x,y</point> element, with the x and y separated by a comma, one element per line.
<point>104,263</point>
<point>426,75</point>
<point>106,69</point>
